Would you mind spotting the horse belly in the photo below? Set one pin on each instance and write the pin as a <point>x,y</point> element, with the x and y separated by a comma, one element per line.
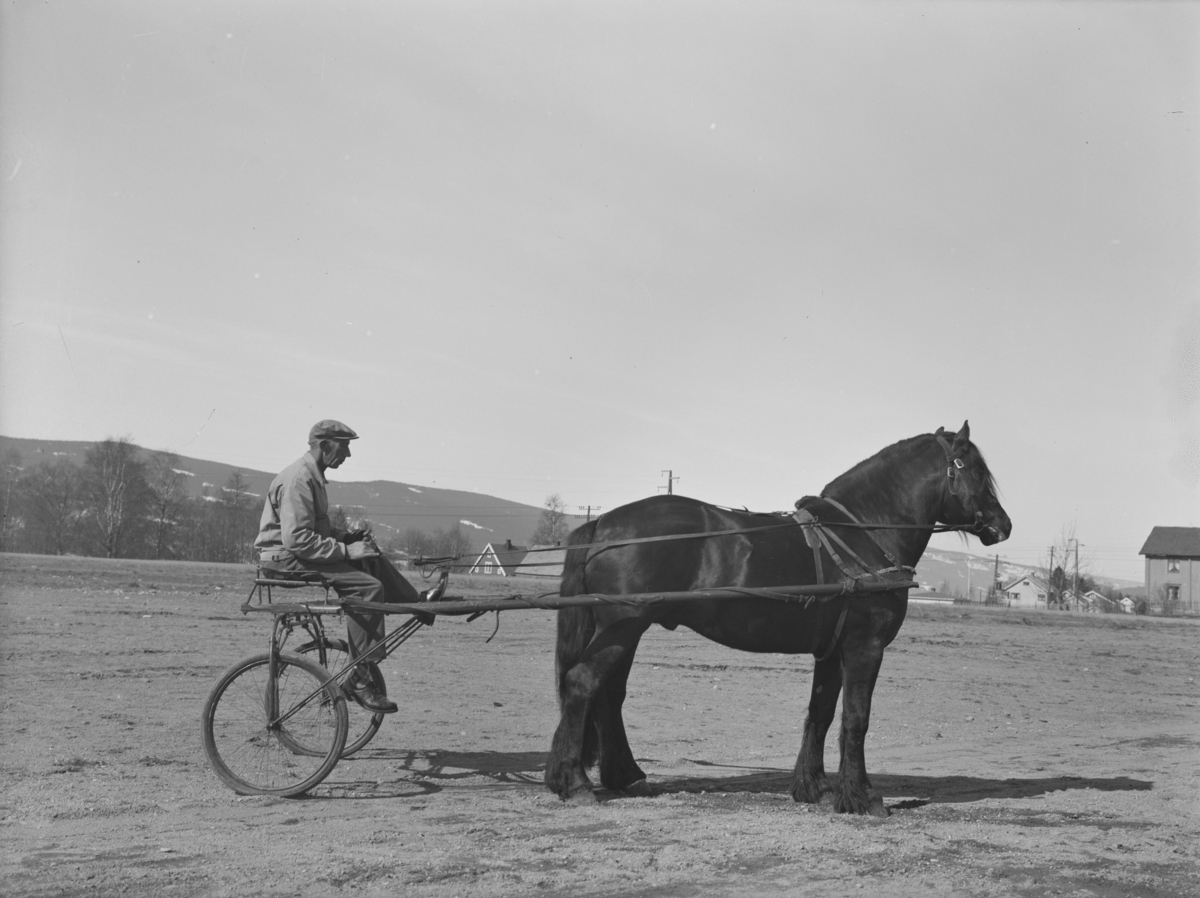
<point>753,625</point>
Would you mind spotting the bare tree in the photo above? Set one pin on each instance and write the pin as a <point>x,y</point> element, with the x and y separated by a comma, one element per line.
<point>10,474</point>
<point>1066,568</point>
<point>168,503</point>
<point>239,514</point>
<point>450,541</point>
<point>552,525</point>
<point>51,507</point>
<point>413,542</point>
<point>115,495</point>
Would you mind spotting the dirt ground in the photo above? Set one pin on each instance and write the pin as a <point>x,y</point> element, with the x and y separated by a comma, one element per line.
<point>1019,753</point>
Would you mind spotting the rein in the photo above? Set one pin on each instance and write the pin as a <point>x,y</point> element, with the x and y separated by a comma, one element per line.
<point>854,524</point>
<point>814,530</point>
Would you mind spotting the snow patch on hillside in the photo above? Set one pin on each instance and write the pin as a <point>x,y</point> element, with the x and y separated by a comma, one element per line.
<point>413,489</point>
<point>476,526</point>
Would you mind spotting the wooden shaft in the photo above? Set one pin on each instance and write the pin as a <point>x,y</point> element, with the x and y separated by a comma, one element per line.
<point>513,603</point>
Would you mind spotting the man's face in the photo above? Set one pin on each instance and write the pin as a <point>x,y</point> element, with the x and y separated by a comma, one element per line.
<point>336,452</point>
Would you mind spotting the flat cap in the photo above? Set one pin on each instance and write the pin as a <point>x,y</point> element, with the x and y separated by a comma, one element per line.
<point>330,429</point>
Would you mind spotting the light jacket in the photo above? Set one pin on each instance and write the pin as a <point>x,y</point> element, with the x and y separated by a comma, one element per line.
<point>295,518</point>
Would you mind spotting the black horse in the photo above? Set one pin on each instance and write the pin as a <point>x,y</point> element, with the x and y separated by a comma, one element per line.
<point>916,483</point>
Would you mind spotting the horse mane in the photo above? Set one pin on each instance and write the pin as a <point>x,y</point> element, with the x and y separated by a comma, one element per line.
<point>881,477</point>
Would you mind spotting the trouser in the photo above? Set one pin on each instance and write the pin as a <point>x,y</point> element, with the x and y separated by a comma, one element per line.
<point>366,580</point>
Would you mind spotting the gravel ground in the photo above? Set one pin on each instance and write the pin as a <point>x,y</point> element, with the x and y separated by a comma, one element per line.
<point>1019,753</point>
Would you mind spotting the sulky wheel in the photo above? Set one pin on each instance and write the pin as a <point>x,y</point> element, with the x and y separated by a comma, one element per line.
<point>333,655</point>
<point>278,736</point>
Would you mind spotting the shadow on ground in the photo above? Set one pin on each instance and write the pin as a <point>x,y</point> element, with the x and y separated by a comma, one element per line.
<point>914,790</point>
<point>423,772</point>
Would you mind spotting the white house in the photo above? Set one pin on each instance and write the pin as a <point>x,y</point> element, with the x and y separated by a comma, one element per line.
<point>499,559</point>
<point>1093,600</point>
<point>1026,591</point>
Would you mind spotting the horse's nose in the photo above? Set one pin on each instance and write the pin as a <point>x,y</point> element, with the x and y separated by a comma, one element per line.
<point>1001,525</point>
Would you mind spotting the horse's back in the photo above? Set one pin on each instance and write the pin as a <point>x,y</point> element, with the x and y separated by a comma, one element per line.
<point>731,559</point>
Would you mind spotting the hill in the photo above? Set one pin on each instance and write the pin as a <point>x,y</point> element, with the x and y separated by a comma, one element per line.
<point>392,507</point>
<point>395,507</point>
<point>951,572</point>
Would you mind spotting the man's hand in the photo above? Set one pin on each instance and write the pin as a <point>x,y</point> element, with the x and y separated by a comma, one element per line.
<point>362,549</point>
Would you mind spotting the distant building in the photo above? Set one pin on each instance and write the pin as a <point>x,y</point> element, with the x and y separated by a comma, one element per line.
<point>1093,600</point>
<point>543,561</point>
<point>1173,569</point>
<point>499,559</point>
<point>1027,591</point>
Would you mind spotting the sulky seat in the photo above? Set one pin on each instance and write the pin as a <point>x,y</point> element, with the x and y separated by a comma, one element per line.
<point>266,580</point>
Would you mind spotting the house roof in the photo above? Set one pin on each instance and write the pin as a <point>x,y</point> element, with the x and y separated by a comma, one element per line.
<point>507,558</point>
<point>1035,582</point>
<point>1175,542</point>
<point>543,561</point>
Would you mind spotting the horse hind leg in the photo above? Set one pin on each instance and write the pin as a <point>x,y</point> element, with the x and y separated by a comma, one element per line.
<point>582,697</point>
<point>618,769</point>
<point>810,783</point>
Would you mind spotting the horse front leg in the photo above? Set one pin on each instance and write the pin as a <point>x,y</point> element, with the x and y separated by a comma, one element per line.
<point>853,793</point>
<point>810,784</point>
<point>574,738</point>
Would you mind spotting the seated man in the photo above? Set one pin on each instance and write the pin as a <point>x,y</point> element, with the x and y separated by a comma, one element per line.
<point>295,536</point>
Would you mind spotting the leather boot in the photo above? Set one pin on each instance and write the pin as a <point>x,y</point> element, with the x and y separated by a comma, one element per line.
<point>363,691</point>
<point>432,594</point>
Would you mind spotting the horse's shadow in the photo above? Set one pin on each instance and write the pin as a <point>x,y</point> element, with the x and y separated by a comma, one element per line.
<point>424,772</point>
<point>903,790</point>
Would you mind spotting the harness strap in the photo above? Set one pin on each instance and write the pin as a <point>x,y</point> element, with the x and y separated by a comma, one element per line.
<point>807,520</point>
<point>820,534</point>
<point>886,554</point>
<point>837,633</point>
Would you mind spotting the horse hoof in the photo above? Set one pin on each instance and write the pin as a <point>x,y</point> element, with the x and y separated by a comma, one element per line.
<point>638,789</point>
<point>827,800</point>
<point>582,797</point>
<point>876,808</point>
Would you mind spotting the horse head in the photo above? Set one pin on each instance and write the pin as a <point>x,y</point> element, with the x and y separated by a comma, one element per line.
<point>969,497</point>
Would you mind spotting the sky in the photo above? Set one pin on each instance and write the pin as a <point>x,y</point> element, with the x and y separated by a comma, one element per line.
<point>530,247</point>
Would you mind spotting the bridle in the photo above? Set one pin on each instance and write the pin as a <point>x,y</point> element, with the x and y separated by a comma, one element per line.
<point>958,488</point>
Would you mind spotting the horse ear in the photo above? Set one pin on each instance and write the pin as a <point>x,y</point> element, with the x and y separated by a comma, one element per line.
<point>940,431</point>
<point>963,436</point>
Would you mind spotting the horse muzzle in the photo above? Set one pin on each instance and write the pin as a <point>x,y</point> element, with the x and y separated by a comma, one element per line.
<point>995,530</point>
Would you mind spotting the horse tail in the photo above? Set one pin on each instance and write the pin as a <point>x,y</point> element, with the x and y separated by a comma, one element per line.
<point>576,627</point>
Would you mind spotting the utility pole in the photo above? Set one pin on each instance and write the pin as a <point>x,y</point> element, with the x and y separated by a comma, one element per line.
<point>671,478</point>
<point>589,509</point>
<point>1050,580</point>
<point>1075,579</point>
<point>996,581</point>
<point>968,578</point>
